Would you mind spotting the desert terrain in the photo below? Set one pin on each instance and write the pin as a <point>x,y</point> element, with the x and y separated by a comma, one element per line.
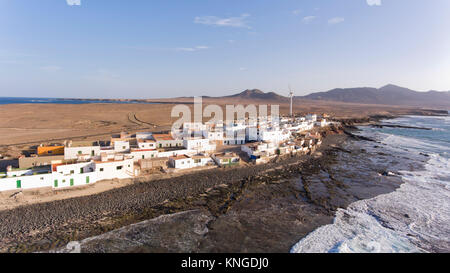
<point>27,125</point>
<point>23,126</point>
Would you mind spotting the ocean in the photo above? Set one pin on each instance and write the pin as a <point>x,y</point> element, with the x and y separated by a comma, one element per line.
<point>13,100</point>
<point>415,217</point>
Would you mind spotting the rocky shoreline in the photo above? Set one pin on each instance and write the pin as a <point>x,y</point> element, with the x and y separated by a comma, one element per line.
<point>265,208</point>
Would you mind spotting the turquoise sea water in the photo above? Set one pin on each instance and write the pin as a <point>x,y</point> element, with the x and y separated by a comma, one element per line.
<point>415,217</point>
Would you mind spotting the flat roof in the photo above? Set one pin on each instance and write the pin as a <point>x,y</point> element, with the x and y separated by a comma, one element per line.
<point>159,137</point>
<point>145,140</point>
<point>143,150</point>
<point>226,155</point>
<point>83,144</point>
<point>155,159</point>
<point>179,157</point>
<point>109,161</point>
<point>200,156</point>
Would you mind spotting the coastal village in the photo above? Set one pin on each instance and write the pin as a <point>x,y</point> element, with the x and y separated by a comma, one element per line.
<point>195,146</point>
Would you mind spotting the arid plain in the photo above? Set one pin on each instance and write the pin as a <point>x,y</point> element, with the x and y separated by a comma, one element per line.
<point>24,125</point>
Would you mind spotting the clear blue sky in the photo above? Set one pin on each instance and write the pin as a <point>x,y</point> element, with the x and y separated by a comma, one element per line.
<point>168,48</point>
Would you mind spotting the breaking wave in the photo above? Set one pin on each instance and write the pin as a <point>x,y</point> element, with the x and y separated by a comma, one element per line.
<point>415,217</point>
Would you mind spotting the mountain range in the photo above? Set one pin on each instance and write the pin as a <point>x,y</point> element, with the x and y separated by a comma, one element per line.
<point>387,95</point>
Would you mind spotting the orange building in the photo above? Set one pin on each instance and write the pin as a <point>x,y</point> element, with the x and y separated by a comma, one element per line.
<point>50,150</point>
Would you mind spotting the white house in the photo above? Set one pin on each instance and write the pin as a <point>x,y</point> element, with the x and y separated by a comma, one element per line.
<point>181,162</point>
<point>195,143</point>
<point>68,174</point>
<point>76,152</point>
<point>259,149</point>
<point>274,135</point>
<point>146,144</point>
<point>235,133</point>
<point>114,168</point>
<point>68,168</point>
<point>214,125</point>
<point>144,135</point>
<point>226,159</point>
<point>121,146</point>
<point>306,126</point>
<point>322,123</point>
<point>214,135</point>
<point>194,126</point>
<point>311,117</point>
<point>199,144</point>
<point>26,182</point>
<point>59,175</point>
<point>176,153</point>
<point>166,140</point>
<point>138,154</point>
<point>202,160</point>
<point>251,133</point>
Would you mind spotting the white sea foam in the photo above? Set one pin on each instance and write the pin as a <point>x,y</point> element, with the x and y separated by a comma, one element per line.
<point>414,218</point>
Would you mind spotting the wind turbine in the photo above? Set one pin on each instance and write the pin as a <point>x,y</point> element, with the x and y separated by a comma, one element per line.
<point>291,95</point>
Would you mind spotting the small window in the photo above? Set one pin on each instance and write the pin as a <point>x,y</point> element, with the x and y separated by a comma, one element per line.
<point>101,169</point>
<point>119,167</point>
<point>80,152</point>
<point>72,172</point>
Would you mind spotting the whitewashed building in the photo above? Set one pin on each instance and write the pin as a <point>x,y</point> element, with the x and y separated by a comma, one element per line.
<point>275,136</point>
<point>226,159</point>
<point>85,151</point>
<point>251,134</point>
<point>311,117</point>
<point>114,168</point>
<point>199,144</point>
<point>146,144</point>
<point>175,153</point>
<point>167,141</point>
<point>216,135</point>
<point>138,154</point>
<point>144,135</point>
<point>321,123</point>
<point>121,146</point>
<point>259,149</point>
<point>202,160</point>
<point>181,162</point>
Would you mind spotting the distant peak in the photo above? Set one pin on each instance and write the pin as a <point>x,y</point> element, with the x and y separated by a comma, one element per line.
<point>252,91</point>
<point>257,94</point>
<point>392,86</point>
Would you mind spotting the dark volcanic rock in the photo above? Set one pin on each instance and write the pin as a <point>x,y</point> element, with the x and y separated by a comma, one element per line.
<point>265,208</point>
